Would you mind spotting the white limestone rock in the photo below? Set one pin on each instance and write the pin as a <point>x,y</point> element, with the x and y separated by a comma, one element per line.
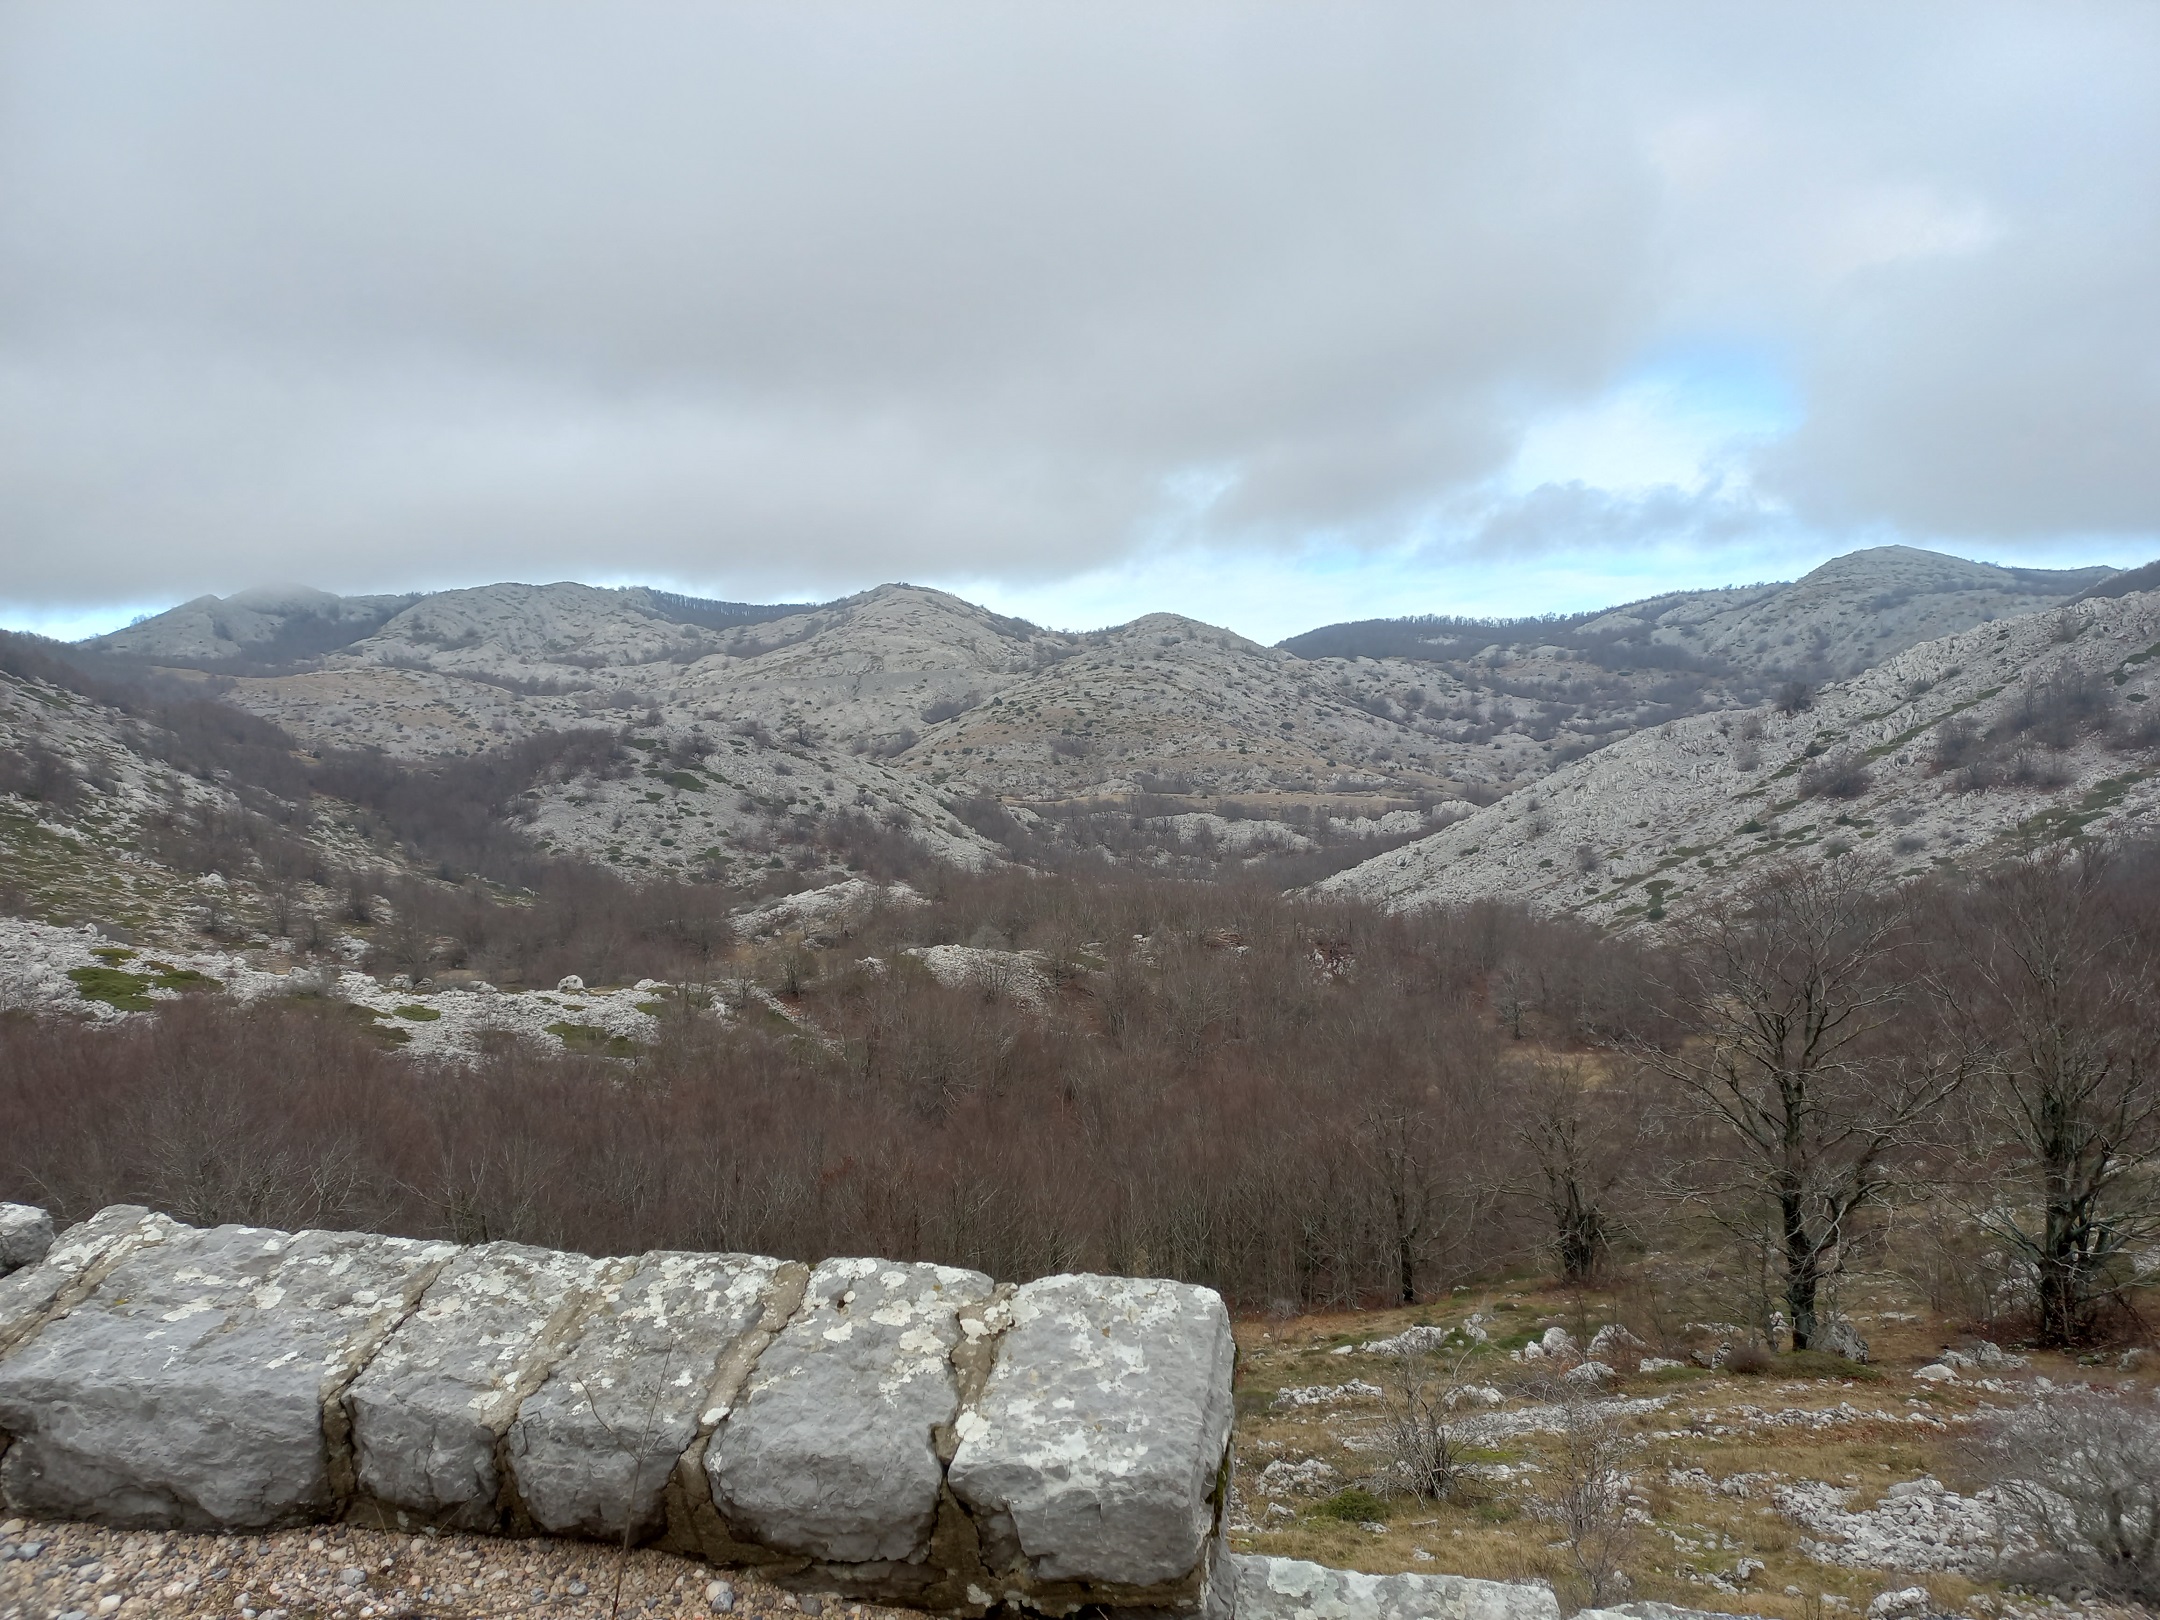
<point>1095,1447</point>
<point>187,1391</point>
<point>592,1449</point>
<point>1253,1587</point>
<point>1841,1338</point>
<point>830,1452</point>
<point>26,1234</point>
<point>428,1412</point>
<point>76,1258</point>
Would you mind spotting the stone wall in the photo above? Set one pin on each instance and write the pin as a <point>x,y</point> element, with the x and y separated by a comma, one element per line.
<point>900,1431</point>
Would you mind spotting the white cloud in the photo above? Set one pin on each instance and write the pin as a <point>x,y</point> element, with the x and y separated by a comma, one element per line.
<point>793,298</point>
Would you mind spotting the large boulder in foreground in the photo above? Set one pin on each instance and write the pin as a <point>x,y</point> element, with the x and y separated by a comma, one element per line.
<point>188,1390</point>
<point>437,1399</point>
<point>831,1452</point>
<point>1094,1450</point>
<point>900,1431</point>
<point>594,1447</point>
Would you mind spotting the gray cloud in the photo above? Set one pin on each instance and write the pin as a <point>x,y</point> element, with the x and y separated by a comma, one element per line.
<point>797,297</point>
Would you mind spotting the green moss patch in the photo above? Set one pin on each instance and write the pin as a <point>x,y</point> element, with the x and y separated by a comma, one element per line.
<point>124,991</point>
<point>419,1014</point>
<point>130,992</point>
<point>591,1038</point>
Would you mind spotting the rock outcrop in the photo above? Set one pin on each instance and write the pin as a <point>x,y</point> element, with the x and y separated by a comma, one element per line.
<point>904,1431</point>
<point>26,1236</point>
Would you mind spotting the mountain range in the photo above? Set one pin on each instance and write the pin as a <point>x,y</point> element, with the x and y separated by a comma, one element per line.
<point>1605,762</point>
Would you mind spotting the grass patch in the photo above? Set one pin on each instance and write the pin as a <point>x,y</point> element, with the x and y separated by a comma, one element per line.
<point>366,1019</point>
<point>130,992</point>
<point>168,977</point>
<point>592,1038</point>
<point>1679,1375</point>
<point>419,1014</point>
<point>112,955</point>
<point>1353,1504</point>
<point>1822,1364</point>
<point>125,992</point>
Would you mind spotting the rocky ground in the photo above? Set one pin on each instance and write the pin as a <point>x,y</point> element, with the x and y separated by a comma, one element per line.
<point>1812,1489</point>
<point>79,971</point>
<point>346,1572</point>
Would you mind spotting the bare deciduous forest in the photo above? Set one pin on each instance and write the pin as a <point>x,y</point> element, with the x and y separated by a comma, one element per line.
<point>1301,1104</point>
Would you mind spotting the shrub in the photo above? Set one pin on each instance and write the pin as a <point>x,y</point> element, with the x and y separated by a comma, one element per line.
<point>2077,1482</point>
<point>1352,1505</point>
<point>1843,775</point>
<point>1586,1494</point>
<point>1424,1454</point>
<point>1749,1360</point>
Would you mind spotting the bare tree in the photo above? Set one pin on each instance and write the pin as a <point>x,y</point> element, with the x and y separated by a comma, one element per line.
<point>1782,998</point>
<point>1576,1142</point>
<point>2077,1495</point>
<point>1417,1403</point>
<point>1587,1490</point>
<point>2055,993</point>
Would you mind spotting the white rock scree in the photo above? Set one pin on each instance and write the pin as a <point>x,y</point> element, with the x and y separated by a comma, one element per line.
<point>905,1432</point>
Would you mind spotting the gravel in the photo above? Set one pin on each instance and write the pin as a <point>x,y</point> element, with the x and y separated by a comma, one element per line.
<point>50,1571</point>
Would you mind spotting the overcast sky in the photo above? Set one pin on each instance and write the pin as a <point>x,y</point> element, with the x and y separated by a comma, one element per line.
<point>1273,314</point>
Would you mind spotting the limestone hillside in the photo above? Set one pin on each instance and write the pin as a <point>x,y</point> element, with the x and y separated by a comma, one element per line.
<point>2000,736</point>
<point>978,737</point>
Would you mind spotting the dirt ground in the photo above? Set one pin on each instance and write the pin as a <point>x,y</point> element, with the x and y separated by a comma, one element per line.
<point>341,1572</point>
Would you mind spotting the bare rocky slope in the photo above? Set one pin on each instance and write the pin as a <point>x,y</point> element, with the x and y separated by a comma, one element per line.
<point>979,737</point>
<point>2001,736</point>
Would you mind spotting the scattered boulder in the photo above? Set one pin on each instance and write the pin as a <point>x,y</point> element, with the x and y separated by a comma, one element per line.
<point>1840,1338</point>
<point>1909,1600</point>
<point>1614,1345</point>
<point>26,1235</point>
<point>1935,1372</point>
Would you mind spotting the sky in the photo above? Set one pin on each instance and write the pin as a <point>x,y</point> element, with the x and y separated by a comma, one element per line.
<point>1274,315</point>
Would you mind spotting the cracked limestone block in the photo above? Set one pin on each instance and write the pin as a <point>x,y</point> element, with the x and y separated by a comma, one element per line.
<point>593,1448</point>
<point>74,1262</point>
<point>1093,1451</point>
<point>830,1451</point>
<point>1253,1587</point>
<point>428,1413</point>
<point>187,1390</point>
<point>26,1234</point>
